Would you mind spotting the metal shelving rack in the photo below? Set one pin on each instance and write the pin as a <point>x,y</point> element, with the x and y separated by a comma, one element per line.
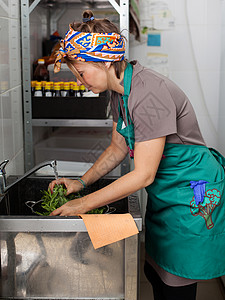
<point>27,6</point>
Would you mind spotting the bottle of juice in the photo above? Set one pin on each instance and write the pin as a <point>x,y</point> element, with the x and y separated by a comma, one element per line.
<point>33,83</point>
<point>76,89</point>
<point>38,89</point>
<point>57,89</point>
<point>41,73</point>
<point>48,91</point>
<point>71,89</point>
<point>66,89</point>
<point>43,83</point>
<point>82,89</point>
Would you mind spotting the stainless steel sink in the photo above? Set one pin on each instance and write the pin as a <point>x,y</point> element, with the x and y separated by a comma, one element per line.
<point>53,258</point>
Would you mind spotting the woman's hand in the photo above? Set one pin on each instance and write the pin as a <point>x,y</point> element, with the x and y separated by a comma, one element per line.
<point>72,186</point>
<point>71,208</point>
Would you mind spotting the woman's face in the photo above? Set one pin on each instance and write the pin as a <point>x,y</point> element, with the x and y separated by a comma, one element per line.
<point>94,78</point>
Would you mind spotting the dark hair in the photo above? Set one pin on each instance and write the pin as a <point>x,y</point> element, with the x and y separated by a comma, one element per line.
<point>99,26</point>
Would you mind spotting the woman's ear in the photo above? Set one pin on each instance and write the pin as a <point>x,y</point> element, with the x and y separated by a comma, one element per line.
<point>107,64</point>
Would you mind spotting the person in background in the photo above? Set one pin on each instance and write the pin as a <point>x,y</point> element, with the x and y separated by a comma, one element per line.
<point>153,122</point>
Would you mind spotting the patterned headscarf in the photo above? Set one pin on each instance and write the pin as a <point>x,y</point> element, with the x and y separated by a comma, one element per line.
<point>89,46</point>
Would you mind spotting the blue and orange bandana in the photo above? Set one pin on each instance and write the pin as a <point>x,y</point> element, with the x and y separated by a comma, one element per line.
<point>89,46</point>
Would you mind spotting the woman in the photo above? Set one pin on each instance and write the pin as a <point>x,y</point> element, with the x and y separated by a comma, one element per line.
<point>155,123</point>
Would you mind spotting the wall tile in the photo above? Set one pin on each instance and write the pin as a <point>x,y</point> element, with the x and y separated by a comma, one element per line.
<point>14,53</point>
<point>14,8</point>
<point>4,55</point>
<point>4,9</point>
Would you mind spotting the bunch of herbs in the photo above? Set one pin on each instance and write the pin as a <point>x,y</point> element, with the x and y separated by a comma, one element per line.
<point>53,200</point>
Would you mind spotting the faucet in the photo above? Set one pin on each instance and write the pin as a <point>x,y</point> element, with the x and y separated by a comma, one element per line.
<point>4,188</point>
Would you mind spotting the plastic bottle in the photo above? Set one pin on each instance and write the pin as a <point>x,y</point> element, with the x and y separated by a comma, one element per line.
<point>41,73</point>
<point>43,83</point>
<point>33,83</point>
<point>57,89</point>
<point>66,89</point>
<point>48,91</point>
<point>38,89</point>
<point>76,89</point>
<point>71,89</point>
<point>51,86</point>
<point>82,89</point>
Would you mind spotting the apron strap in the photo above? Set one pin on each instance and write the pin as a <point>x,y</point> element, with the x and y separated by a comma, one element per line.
<point>127,86</point>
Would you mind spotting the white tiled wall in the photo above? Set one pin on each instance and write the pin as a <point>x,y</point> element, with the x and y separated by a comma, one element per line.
<point>11,124</point>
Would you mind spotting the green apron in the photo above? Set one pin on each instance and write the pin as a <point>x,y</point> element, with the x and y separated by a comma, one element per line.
<point>185,215</point>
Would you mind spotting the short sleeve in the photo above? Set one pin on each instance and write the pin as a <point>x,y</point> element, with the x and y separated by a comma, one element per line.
<point>152,111</point>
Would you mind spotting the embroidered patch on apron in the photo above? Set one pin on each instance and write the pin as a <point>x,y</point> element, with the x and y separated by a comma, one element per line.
<point>206,208</point>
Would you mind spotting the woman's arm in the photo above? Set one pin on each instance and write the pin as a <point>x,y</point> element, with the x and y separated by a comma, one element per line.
<point>147,158</point>
<point>107,161</point>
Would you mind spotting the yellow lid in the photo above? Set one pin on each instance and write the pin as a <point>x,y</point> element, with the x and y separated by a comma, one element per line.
<point>82,87</point>
<point>41,61</point>
<point>75,86</point>
<point>48,85</point>
<point>38,85</point>
<point>57,86</point>
<point>66,86</point>
<point>33,83</point>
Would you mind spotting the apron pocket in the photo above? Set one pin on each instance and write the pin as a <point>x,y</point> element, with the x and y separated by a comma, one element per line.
<point>206,218</point>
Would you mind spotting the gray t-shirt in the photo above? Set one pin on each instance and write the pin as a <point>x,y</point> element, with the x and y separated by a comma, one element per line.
<point>158,107</point>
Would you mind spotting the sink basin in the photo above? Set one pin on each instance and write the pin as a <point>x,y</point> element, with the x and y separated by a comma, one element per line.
<point>53,257</point>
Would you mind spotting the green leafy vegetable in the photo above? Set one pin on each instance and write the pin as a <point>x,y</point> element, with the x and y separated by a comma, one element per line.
<point>52,201</point>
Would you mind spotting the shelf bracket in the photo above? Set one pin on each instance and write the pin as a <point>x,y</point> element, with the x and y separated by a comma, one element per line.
<point>33,5</point>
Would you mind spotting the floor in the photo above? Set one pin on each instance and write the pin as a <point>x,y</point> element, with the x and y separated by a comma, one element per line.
<point>209,290</point>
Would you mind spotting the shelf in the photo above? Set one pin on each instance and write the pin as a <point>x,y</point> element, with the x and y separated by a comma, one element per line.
<point>72,123</point>
<point>54,13</point>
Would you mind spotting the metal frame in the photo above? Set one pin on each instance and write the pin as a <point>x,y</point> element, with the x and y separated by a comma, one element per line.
<point>72,123</point>
<point>26,9</point>
<point>26,90</point>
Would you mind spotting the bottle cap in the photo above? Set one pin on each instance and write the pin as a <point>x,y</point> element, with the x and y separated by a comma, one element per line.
<point>57,86</point>
<point>33,83</point>
<point>75,86</point>
<point>66,85</point>
<point>38,85</point>
<point>48,85</point>
<point>41,61</point>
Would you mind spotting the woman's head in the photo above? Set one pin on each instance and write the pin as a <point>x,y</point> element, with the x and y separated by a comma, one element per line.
<point>95,42</point>
<point>91,24</point>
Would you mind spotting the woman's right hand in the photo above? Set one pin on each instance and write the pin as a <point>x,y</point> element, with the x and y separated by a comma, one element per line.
<point>72,186</point>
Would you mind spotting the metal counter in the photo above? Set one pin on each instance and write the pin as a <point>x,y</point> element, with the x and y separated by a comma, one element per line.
<point>53,257</point>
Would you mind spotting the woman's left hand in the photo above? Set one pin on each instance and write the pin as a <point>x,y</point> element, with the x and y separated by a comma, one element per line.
<point>71,208</point>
